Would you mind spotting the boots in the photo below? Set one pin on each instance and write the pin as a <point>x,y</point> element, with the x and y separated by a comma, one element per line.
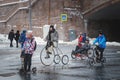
<point>47,55</point>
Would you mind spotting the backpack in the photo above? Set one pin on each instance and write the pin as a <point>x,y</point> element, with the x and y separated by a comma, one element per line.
<point>35,44</point>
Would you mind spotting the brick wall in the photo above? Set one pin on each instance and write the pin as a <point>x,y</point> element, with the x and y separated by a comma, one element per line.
<point>40,18</point>
<point>88,4</point>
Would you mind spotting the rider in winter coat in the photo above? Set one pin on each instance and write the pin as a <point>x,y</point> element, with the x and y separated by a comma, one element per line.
<point>101,40</point>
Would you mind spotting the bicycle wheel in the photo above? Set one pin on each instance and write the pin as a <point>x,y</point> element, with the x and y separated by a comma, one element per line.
<point>90,53</point>
<point>48,61</point>
<point>65,59</point>
<point>57,59</point>
<point>91,61</point>
<point>103,60</point>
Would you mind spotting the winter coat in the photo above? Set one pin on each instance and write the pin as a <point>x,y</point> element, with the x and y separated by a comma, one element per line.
<point>11,35</point>
<point>86,46</point>
<point>22,38</point>
<point>53,37</point>
<point>80,39</point>
<point>84,37</point>
<point>28,46</point>
<point>17,35</point>
<point>101,40</point>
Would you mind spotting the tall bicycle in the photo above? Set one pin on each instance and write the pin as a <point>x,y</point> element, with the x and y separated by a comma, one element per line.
<point>56,57</point>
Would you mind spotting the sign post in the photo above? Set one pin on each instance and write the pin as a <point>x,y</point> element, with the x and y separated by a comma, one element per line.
<point>63,18</point>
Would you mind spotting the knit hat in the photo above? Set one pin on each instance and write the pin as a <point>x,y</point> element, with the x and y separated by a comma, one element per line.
<point>51,26</point>
<point>100,32</point>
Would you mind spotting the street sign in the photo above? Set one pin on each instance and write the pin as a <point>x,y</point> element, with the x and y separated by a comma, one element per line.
<point>63,17</point>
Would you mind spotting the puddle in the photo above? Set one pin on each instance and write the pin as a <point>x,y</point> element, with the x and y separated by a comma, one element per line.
<point>118,51</point>
<point>7,74</point>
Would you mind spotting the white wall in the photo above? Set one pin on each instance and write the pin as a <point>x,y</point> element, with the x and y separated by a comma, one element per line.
<point>45,30</point>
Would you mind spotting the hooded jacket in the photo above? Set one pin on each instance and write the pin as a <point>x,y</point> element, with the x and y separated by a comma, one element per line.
<point>101,40</point>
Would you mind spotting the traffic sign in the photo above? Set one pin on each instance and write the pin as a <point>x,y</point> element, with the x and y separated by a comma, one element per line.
<point>63,17</point>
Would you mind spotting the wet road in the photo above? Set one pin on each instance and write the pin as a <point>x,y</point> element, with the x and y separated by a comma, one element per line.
<point>75,70</point>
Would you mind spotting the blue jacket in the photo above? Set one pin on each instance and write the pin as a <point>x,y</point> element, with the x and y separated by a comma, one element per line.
<point>84,37</point>
<point>22,38</point>
<point>101,40</point>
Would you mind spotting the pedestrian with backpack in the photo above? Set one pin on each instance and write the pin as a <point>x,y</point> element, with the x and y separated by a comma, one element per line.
<point>22,38</point>
<point>21,41</point>
<point>28,48</point>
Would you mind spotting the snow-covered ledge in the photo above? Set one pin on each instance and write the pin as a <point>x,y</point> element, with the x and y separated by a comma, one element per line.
<point>11,3</point>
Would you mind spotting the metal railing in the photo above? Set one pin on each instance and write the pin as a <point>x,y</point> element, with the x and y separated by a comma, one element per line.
<point>10,11</point>
<point>8,1</point>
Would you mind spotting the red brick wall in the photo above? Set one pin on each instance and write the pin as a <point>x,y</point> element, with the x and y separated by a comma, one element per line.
<point>40,18</point>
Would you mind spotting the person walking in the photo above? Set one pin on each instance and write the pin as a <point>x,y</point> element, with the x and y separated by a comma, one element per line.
<point>17,35</point>
<point>11,37</point>
<point>21,41</point>
<point>28,48</point>
<point>52,40</point>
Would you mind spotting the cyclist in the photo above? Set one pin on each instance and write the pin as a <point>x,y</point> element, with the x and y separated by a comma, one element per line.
<point>101,40</point>
<point>80,39</point>
<point>52,40</point>
<point>86,46</point>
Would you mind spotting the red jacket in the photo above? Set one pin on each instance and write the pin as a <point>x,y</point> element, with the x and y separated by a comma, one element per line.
<point>80,39</point>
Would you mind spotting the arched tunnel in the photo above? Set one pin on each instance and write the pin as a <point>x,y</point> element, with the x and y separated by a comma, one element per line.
<point>106,19</point>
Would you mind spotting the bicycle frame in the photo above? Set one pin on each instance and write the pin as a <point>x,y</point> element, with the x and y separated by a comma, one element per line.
<point>56,53</point>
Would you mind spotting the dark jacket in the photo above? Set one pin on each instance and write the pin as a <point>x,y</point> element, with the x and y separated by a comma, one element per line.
<point>52,36</point>
<point>17,35</point>
<point>84,38</point>
<point>11,35</point>
<point>86,46</point>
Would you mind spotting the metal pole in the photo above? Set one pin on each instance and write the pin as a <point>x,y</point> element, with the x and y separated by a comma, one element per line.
<point>30,15</point>
<point>85,25</point>
<point>49,13</point>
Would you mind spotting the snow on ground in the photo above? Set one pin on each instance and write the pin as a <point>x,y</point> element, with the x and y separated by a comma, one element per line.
<point>4,38</point>
<point>113,43</point>
<point>40,41</point>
